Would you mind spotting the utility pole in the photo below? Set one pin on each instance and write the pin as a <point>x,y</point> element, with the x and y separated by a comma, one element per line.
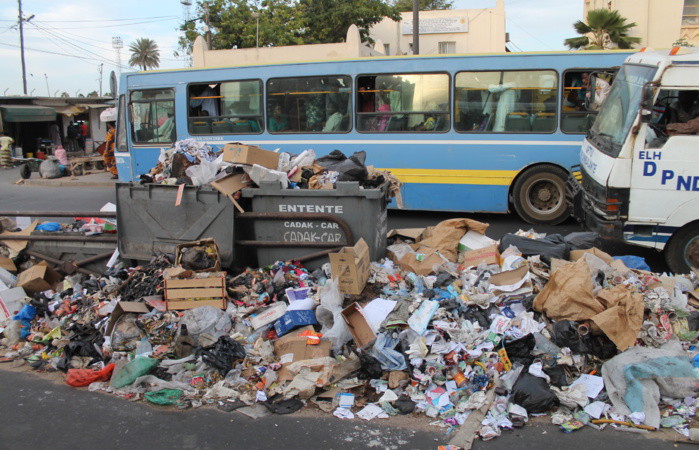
<point>100,70</point>
<point>416,28</point>
<point>21,46</point>
<point>208,27</point>
<point>48,91</point>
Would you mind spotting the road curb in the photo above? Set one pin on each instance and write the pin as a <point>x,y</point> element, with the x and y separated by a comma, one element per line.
<point>68,183</point>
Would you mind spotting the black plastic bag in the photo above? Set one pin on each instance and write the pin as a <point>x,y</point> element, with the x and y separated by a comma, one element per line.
<point>278,405</point>
<point>520,351</point>
<point>350,169</point>
<point>533,394</point>
<point>404,405</point>
<point>552,246</point>
<point>370,367</point>
<point>582,240</point>
<point>557,375</point>
<point>565,334</point>
<point>223,355</point>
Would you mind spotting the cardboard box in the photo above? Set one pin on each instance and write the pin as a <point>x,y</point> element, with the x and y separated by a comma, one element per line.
<point>249,154</point>
<point>294,319</point>
<point>179,249</point>
<point>577,254</point>
<point>122,308</point>
<point>488,255</point>
<point>8,264</point>
<point>268,316</point>
<point>358,325</point>
<point>192,293</point>
<point>11,301</point>
<point>421,260</point>
<point>351,266</point>
<point>38,278</point>
<point>414,234</point>
<point>292,348</point>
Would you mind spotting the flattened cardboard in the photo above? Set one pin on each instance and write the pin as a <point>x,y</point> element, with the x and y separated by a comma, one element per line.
<point>11,301</point>
<point>8,264</point>
<point>351,267</point>
<point>249,154</point>
<point>293,348</point>
<point>231,184</point>
<point>577,254</point>
<point>474,240</point>
<point>38,278</point>
<point>410,233</point>
<point>269,315</point>
<point>488,255</point>
<point>122,308</point>
<point>18,246</point>
<point>358,325</point>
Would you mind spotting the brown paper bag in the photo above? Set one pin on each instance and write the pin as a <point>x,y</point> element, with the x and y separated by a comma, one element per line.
<point>568,294</point>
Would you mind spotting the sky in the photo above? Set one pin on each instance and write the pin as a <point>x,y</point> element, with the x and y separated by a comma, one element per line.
<point>66,41</point>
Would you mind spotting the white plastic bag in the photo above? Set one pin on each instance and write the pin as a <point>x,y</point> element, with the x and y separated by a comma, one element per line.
<point>203,173</point>
<point>329,315</point>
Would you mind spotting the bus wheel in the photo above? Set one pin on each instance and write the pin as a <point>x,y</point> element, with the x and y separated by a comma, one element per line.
<point>682,252</point>
<point>540,195</point>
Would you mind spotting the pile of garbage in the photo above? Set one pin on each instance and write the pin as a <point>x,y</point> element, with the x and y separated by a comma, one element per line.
<point>191,162</point>
<point>453,325</point>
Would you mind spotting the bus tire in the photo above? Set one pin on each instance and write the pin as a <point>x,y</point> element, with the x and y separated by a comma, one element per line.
<point>682,252</point>
<point>539,195</point>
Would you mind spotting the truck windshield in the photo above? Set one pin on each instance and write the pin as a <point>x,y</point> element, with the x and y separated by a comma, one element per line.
<point>620,108</point>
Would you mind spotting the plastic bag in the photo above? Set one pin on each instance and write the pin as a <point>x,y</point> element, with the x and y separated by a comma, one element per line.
<point>533,394</point>
<point>520,351</point>
<point>582,240</point>
<point>634,262</point>
<point>350,169</point>
<point>164,396</point>
<point>25,317</point>
<point>49,226</point>
<point>49,169</point>
<point>223,355</point>
<point>552,246</point>
<point>203,173</point>
<point>329,315</point>
<point>206,324</point>
<point>384,351</point>
<point>132,370</point>
<point>85,377</point>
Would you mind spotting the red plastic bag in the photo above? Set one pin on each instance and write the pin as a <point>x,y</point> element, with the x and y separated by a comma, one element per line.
<point>83,377</point>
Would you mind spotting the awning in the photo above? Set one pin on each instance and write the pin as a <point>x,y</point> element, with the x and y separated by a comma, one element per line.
<point>70,110</point>
<point>27,113</point>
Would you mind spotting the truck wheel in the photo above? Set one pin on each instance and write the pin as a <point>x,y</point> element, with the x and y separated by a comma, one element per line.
<point>540,195</point>
<point>682,252</point>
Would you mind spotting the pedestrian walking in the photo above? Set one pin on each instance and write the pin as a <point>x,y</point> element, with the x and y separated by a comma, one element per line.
<point>108,155</point>
<point>5,150</point>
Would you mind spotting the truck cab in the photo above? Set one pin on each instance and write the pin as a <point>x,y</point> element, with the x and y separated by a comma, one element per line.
<point>639,164</point>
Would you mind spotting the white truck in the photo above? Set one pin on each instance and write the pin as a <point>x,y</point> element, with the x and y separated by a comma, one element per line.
<point>640,161</point>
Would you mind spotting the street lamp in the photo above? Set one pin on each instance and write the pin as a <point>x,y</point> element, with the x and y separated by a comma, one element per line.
<point>256,15</point>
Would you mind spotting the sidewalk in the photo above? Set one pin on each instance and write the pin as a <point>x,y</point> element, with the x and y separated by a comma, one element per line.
<point>93,180</point>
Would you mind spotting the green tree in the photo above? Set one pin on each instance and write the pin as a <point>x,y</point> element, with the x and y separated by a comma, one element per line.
<point>93,94</point>
<point>282,22</point>
<point>604,29</point>
<point>144,54</point>
<point>423,5</point>
<point>64,94</point>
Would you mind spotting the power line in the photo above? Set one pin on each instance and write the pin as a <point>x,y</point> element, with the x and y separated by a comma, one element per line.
<point>101,20</point>
<point>52,53</point>
<point>118,25</point>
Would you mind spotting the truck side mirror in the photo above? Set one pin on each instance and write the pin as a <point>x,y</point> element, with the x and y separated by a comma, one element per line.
<point>648,96</point>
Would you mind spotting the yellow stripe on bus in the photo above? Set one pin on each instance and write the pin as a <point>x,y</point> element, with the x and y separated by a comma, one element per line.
<point>448,176</point>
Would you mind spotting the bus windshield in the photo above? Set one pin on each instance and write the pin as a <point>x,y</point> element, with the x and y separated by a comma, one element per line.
<point>620,108</point>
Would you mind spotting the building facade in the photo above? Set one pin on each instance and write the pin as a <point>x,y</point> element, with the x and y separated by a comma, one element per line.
<point>445,31</point>
<point>659,23</point>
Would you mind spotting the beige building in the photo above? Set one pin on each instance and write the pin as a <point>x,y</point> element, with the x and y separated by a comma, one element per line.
<point>448,31</point>
<point>659,23</point>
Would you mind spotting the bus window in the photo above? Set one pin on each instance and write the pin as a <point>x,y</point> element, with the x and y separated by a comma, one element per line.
<point>506,101</point>
<point>408,103</point>
<point>229,107</point>
<point>153,116</point>
<point>584,90</point>
<point>121,126</point>
<point>309,104</point>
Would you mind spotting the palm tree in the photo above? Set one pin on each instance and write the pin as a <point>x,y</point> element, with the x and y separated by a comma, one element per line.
<point>604,29</point>
<point>144,54</point>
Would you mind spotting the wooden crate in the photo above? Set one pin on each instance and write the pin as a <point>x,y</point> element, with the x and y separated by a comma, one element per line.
<point>188,294</point>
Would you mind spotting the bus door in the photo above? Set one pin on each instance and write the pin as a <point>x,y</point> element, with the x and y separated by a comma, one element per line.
<point>152,125</point>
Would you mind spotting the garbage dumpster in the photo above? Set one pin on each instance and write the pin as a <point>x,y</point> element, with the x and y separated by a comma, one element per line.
<point>150,223</point>
<point>364,210</point>
<point>88,254</point>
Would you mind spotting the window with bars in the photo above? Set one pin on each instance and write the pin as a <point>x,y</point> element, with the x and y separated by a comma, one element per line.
<point>447,47</point>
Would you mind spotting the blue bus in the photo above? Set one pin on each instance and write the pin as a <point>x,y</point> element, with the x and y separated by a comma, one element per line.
<point>478,133</point>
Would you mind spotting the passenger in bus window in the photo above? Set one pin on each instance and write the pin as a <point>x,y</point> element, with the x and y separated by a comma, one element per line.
<point>206,100</point>
<point>277,122</point>
<point>334,122</point>
<point>315,114</point>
